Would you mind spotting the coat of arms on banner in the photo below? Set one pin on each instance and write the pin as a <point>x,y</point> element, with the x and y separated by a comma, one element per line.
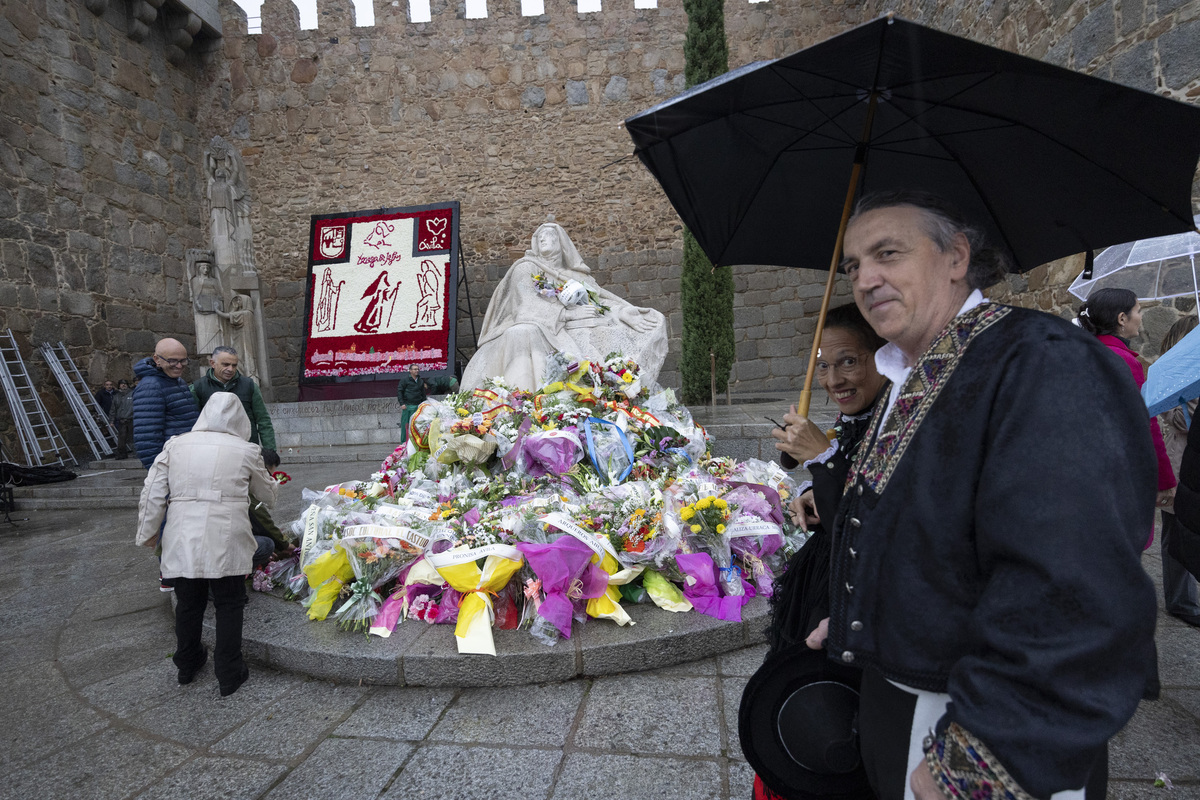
<point>333,241</point>
<point>381,292</point>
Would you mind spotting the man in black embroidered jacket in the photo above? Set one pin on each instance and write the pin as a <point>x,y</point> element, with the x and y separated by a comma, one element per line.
<point>986,554</point>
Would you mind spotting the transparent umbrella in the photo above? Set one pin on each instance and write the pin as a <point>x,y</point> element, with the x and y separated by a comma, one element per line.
<point>1153,269</point>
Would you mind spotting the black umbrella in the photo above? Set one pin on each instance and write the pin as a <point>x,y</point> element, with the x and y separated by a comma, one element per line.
<point>763,163</point>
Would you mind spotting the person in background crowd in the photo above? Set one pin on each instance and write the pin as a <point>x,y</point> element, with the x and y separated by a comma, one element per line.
<point>223,376</point>
<point>411,391</point>
<point>104,396</point>
<point>846,371</point>
<point>122,418</point>
<point>206,477</point>
<point>163,406</point>
<point>1179,587</point>
<point>271,541</point>
<point>1114,316</point>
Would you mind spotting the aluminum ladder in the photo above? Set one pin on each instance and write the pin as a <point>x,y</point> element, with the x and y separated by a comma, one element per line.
<point>39,436</point>
<point>97,429</point>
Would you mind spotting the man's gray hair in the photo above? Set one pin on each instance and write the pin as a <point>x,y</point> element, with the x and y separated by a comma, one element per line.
<point>224,349</point>
<point>942,222</point>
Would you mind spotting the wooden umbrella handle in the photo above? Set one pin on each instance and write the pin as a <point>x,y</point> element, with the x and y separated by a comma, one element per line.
<point>860,158</point>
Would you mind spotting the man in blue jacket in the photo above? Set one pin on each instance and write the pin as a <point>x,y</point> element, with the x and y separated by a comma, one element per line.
<point>163,404</point>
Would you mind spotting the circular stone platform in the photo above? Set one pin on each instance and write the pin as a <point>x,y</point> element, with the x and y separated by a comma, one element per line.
<point>278,634</point>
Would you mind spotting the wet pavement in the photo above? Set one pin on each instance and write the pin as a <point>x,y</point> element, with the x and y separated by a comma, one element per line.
<point>92,708</point>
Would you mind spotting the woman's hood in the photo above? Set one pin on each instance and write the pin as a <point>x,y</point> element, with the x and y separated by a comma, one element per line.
<point>223,413</point>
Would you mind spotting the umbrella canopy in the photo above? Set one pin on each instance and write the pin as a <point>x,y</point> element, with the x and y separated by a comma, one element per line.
<point>1051,162</point>
<point>1154,269</point>
<point>1174,378</point>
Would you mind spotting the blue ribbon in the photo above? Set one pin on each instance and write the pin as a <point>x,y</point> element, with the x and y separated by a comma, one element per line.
<point>730,572</point>
<point>591,447</point>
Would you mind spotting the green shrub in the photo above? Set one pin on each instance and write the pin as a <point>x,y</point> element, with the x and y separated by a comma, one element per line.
<point>707,293</point>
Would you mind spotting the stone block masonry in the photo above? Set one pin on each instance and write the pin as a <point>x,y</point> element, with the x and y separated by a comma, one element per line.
<point>101,190</point>
<point>101,140</point>
<point>515,117</point>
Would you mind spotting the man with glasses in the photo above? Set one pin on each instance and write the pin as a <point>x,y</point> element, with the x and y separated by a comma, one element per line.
<point>163,404</point>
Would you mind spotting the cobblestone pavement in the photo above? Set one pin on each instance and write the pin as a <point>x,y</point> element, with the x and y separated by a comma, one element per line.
<point>91,707</point>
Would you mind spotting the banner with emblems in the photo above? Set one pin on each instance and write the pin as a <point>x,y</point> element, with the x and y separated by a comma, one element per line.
<point>381,292</point>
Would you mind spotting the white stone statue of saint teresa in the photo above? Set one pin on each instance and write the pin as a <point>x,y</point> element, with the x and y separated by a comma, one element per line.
<point>525,323</point>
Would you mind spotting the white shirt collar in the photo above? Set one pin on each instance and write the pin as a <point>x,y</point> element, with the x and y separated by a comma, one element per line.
<point>890,359</point>
<point>893,365</point>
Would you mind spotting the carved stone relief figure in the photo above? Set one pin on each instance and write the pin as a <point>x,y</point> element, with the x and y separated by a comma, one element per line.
<point>229,208</point>
<point>242,334</point>
<point>206,294</point>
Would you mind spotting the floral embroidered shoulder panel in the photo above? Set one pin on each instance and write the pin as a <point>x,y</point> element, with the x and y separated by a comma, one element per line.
<point>878,454</point>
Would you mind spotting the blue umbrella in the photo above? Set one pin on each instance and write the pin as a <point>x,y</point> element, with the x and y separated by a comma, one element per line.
<point>1174,379</point>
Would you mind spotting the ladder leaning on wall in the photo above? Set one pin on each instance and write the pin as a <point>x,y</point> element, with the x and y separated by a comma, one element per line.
<point>97,428</point>
<point>39,436</point>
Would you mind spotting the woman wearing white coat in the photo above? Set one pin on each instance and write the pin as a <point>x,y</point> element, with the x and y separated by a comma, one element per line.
<point>206,477</point>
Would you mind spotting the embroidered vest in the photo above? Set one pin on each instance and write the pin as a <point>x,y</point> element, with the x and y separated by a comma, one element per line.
<point>881,451</point>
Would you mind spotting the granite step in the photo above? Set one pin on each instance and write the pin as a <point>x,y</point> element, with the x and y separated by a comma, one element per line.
<point>278,634</point>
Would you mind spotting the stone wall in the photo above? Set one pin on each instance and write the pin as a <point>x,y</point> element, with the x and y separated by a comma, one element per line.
<point>519,117</point>
<point>514,117</point>
<point>100,191</point>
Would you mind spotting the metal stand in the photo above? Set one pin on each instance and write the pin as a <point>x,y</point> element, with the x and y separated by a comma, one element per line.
<point>96,426</point>
<point>466,290</point>
<point>40,439</point>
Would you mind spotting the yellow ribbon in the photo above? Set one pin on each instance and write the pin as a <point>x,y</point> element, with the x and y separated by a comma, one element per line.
<point>608,605</point>
<point>327,574</point>
<point>475,612</point>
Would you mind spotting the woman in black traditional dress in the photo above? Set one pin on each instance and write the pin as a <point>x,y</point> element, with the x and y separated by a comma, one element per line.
<point>846,371</point>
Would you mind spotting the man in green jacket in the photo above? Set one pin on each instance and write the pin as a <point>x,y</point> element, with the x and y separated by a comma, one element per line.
<point>223,376</point>
<point>411,392</point>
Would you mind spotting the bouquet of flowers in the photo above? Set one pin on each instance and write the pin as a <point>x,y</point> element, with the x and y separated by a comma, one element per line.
<point>706,520</point>
<point>476,609</point>
<point>287,575</point>
<point>375,561</point>
<point>623,374</point>
<point>569,293</point>
<point>632,514</point>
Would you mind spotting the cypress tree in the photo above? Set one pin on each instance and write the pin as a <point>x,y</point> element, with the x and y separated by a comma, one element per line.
<point>707,293</point>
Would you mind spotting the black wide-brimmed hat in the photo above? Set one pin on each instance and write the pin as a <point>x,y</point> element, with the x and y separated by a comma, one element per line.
<point>798,726</point>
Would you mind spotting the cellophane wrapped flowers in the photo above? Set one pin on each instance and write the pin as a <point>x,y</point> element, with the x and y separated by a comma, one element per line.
<point>595,491</point>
